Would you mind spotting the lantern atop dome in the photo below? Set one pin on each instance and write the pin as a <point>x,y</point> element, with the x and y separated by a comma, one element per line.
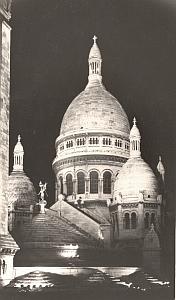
<point>18,156</point>
<point>135,138</point>
<point>94,64</point>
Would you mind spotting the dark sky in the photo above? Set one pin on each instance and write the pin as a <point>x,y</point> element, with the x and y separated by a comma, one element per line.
<point>51,40</point>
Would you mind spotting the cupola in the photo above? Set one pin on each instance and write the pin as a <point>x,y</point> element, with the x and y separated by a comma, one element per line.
<point>135,140</point>
<point>94,63</point>
<point>18,156</point>
<point>136,176</point>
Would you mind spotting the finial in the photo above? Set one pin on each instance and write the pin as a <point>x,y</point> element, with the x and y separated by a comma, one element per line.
<point>18,154</point>
<point>94,39</point>
<point>134,121</point>
<point>159,157</point>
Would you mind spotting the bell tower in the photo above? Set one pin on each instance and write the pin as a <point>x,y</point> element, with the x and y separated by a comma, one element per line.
<point>8,247</point>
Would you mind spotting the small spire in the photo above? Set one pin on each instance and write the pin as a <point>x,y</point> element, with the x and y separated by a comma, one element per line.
<point>135,138</point>
<point>134,121</point>
<point>95,39</point>
<point>18,154</point>
<point>94,64</point>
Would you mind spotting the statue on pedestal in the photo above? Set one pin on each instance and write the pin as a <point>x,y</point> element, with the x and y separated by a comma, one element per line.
<point>41,194</point>
<point>42,191</point>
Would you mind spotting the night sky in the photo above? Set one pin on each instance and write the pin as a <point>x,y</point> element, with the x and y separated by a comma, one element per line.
<point>51,40</point>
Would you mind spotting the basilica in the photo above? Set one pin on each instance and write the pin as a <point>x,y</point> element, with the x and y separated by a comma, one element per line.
<point>106,196</point>
<point>109,204</point>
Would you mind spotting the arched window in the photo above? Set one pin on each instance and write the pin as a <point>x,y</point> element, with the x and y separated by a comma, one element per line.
<point>107,183</point>
<point>146,220</point>
<point>93,182</point>
<point>69,184</point>
<point>133,220</point>
<point>81,183</point>
<point>119,143</point>
<point>61,184</point>
<point>127,221</point>
<point>152,219</point>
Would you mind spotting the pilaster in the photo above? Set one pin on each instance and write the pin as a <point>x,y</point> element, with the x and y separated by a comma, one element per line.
<point>100,187</point>
<point>64,187</point>
<point>87,187</point>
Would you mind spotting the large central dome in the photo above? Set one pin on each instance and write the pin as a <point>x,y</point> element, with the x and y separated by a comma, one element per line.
<point>95,109</point>
<point>94,140</point>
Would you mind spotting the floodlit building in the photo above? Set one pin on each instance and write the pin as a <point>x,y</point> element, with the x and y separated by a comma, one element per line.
<point>106,195</point>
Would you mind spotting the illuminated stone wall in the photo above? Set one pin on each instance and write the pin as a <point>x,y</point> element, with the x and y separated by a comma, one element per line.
<point>4,119</point>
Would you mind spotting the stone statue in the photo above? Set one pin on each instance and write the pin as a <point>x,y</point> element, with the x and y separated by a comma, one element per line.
<point>5,5</point>
<point>42,192</point>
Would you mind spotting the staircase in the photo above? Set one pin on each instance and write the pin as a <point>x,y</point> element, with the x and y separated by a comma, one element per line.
<point>88,222</point>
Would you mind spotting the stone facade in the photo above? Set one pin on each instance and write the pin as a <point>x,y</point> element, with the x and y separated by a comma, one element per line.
<point>136,203</point>
<point>4,120</point>
<point>7,245</point>
<point>98,164</point>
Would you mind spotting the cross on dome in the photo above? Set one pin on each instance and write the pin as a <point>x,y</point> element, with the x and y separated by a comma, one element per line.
<point>19,138</point>
<point>95,39</point>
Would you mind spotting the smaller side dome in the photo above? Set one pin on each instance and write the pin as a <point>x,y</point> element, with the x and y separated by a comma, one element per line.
<point>135,176</point>
<point>20,190</point>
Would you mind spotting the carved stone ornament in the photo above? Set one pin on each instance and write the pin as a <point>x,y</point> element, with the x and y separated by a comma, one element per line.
<point>6,5</point>
<point>5,8</point>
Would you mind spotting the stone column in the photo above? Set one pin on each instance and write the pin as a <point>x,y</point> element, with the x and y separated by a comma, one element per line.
<point>64,187</point>
<point>57,190</point>
<point>140,224</point>
<point>87,187</point>
<point>75,187</point>
<point>100,187</point>
<point>120,220</point>
<point>112,185</point>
